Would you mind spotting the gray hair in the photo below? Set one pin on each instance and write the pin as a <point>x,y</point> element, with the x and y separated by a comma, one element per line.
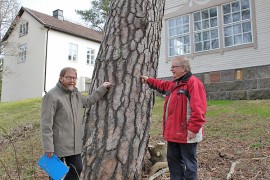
<point>64,71</point>
<point>183,61</point>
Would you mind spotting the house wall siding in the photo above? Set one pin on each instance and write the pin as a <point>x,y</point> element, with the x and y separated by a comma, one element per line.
<point>58,48</point>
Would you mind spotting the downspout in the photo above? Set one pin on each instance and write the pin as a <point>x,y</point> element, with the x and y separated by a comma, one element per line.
<point>46,58</point>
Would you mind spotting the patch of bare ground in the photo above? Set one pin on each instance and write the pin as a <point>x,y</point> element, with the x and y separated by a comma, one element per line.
<point>229,159</point>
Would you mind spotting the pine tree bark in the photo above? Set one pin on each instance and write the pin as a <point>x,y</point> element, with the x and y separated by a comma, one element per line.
<point>117,129</point>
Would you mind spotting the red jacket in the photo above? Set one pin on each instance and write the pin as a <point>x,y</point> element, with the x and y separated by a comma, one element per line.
<point>184,107</point>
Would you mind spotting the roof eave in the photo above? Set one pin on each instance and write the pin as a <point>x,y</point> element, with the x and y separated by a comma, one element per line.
<point>71,33</point>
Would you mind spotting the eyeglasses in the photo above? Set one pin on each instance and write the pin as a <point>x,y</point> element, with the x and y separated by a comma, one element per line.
<point>172,67</point>
<point>71,78</point>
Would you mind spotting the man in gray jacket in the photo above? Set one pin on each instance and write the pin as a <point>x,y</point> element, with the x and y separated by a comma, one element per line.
<point>61,120</point>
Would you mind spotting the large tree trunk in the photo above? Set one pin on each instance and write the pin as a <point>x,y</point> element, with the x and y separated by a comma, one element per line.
<point>117,130</point>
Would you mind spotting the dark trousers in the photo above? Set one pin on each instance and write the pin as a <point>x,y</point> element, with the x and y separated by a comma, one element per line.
<point>182,161</point>
<point>74,163</point>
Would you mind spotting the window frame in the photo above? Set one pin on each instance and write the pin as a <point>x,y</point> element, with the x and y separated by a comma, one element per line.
<point>24,29</point>
<point>185,44</point>
<point>90,57</point>
<point>233,24</point>
<point>209,29</point>
<point>22,53</point>
<point>72,52</point>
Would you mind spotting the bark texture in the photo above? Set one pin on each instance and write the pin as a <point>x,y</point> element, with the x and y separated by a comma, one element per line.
<point>117,129</point>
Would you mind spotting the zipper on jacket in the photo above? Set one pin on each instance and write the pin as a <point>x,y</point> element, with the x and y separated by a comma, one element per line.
<point>182,126</point>
<point>168,102</point>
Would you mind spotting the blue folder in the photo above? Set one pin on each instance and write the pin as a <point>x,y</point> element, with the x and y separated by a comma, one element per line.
<point>54,167</point>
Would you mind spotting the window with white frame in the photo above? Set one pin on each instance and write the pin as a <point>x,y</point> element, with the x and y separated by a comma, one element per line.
<point>206,36</point>
<point>230,23</point>
<point>179,35</point>
<point>237,25</point>
<point>24,29</point>
<point>90,56</point>
<point>22,53</point>
<point>73,52</point>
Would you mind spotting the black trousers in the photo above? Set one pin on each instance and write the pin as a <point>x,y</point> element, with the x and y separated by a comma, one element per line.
<point>182,161</point>
<point>74,163</point>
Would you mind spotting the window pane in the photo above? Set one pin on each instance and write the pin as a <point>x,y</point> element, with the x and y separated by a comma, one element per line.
<point>171,32</point>
<point>197,16</point>
<point>171,22</point>
<point>206,35</point>
<point>179,30</point>
<point>227,19</point>
<point>237,29</point>
<point>179,21</point>
<point>226,8</point>
<point>235,6</point>
<point>186,29</point>
<point>205,24</point>
<point>215,44</point>
<point>236,17</point>
<point>171,42</point>
<point>245,14</point>
<point>186,40</point>
<point>238,39</point>
<point>213,12</point>
<point>214,34</point>
<point>206,45</point>
<point>247,38</point>
<point>197,37</point>
<point>213,22</point>
<point>205,14</point>
<point>186,19</point>
<point>172,52</point>
<point>197,26</point>
<point>178,41</point>
<point>178,50</point>
<point>244,4</point>
<point>187,48</point>
<point>198,47</point>
<point>228,41</point>
<point>228,31</point>
<point>246,27</point>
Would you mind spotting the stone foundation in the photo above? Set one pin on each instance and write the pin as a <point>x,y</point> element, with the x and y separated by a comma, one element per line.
<point>239,84</point>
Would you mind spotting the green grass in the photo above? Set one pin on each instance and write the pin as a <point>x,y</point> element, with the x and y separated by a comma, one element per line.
<point>240,120</point>
<point>14,114</point>
<point>19,123</point>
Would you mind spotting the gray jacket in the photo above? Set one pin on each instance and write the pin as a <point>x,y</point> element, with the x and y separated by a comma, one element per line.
<point>61,119</point>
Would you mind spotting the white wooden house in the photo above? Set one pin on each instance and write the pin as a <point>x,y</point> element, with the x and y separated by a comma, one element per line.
<point>227,41</point>
<point>38,46</point>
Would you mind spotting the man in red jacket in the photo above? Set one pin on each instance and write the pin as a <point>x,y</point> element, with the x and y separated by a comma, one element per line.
<point>183,118</point>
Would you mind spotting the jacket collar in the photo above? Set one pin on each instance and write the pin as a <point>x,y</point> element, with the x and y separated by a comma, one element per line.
<point>183,78</point>
<point>66,90</point>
